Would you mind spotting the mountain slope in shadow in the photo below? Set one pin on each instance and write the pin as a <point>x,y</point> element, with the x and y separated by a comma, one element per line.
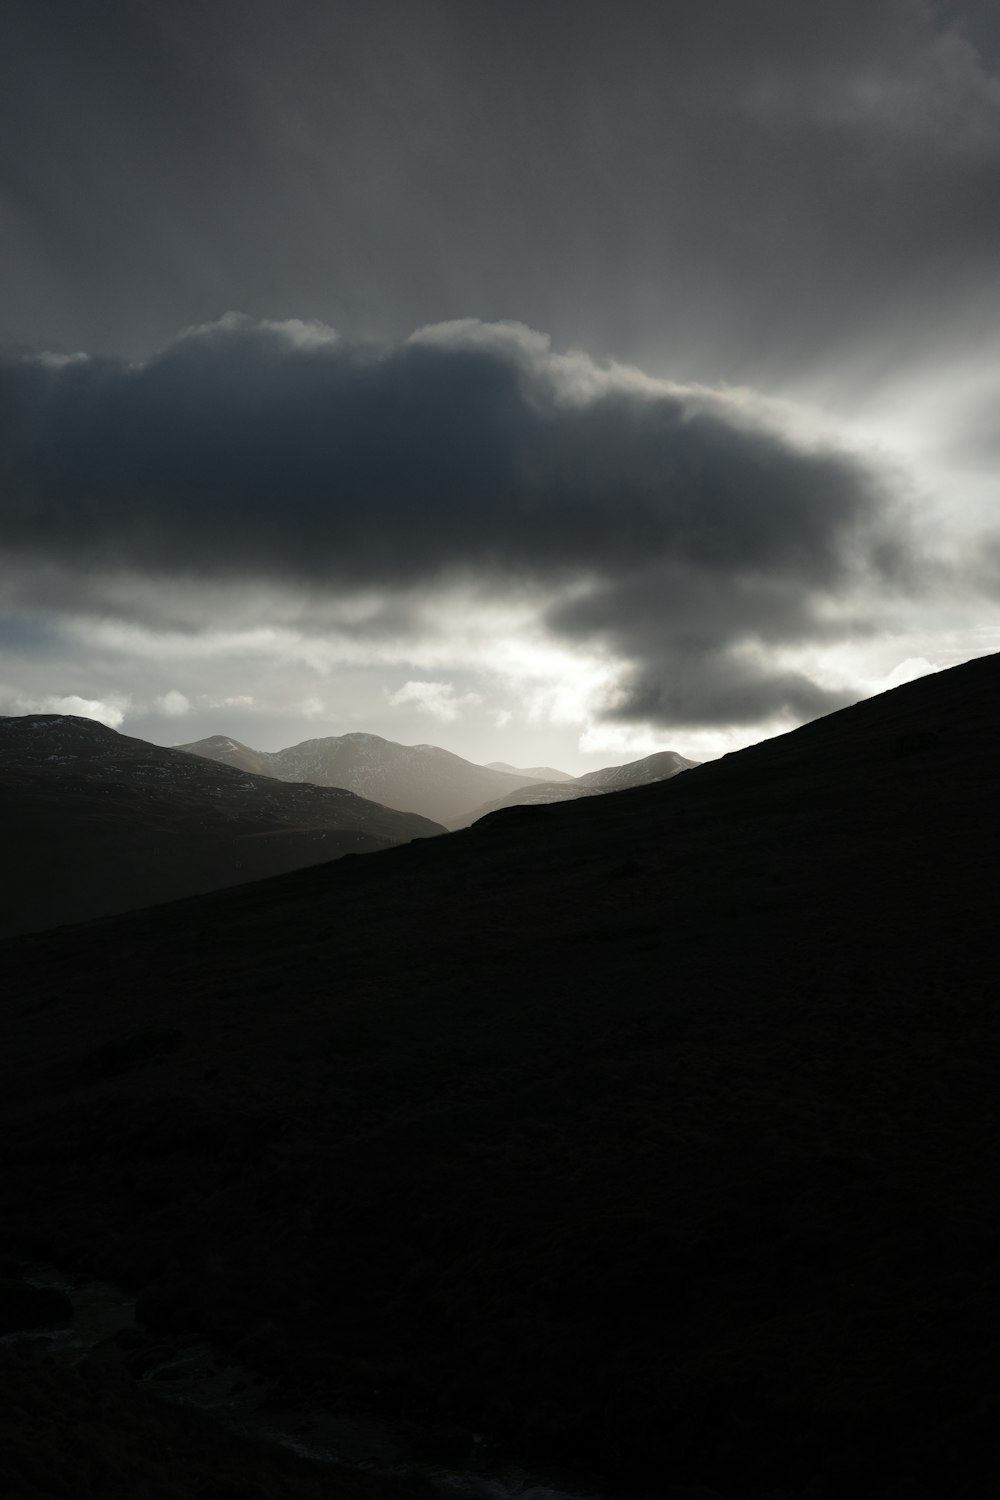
<point>656,1132</point>
<point>95,822</point>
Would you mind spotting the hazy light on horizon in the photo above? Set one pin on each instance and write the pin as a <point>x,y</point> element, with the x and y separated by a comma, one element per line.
<point>563,384</point>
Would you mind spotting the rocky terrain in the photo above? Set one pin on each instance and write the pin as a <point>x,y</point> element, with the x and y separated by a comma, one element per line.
<point>88,1433</point>
<point>95,822</point>
<point>653,1135</point>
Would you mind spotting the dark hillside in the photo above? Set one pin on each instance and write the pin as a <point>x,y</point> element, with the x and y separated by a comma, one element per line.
<point>656,1132</point>
<point>95,822</point>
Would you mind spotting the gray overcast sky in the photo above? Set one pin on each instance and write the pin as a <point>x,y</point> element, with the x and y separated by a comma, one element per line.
<point>552,381</point>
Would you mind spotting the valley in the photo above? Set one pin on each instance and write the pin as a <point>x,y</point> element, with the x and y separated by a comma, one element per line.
<point>653,1134</point>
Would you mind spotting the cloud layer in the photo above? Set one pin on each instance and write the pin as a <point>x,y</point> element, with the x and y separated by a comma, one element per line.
<point>689,533</point>
<point>764,192</point>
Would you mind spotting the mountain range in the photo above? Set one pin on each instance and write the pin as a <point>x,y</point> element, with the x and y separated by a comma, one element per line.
<point>652,1135</point>
<point>658,767</point>
<point>427,780</point>
<point>414,778</point>
<point>95,822</point>
<point>532,773</point>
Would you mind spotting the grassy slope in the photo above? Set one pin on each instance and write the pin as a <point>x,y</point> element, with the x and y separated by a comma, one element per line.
<point>659,1129</point>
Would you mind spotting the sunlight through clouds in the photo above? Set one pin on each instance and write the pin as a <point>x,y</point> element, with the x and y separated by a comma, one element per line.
<point>710,451</point>
<point>438,699</point>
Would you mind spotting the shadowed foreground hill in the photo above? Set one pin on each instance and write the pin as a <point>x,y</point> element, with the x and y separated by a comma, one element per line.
<point>94,822</point>
<point>657,1132</point>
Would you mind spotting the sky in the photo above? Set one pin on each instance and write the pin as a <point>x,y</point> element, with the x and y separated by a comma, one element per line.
<point>554,381</point>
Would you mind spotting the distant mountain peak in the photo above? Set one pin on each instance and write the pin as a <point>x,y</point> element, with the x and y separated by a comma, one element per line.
<point>423,779</point>
<point>660,766</point>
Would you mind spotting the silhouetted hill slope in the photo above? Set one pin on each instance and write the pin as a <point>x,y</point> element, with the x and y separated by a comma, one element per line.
<point>95,822</point>
<point>658,767</point>
<point>658,1130</point>
<point>414,778</point>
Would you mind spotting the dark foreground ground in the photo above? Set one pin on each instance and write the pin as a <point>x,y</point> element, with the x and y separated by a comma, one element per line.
<point>87,1434</point>
<point>657,1133</point>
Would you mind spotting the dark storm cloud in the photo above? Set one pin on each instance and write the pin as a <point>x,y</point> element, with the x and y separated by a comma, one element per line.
<point>700,647</point>
<point>688,528</point>
<point>731,190</point>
